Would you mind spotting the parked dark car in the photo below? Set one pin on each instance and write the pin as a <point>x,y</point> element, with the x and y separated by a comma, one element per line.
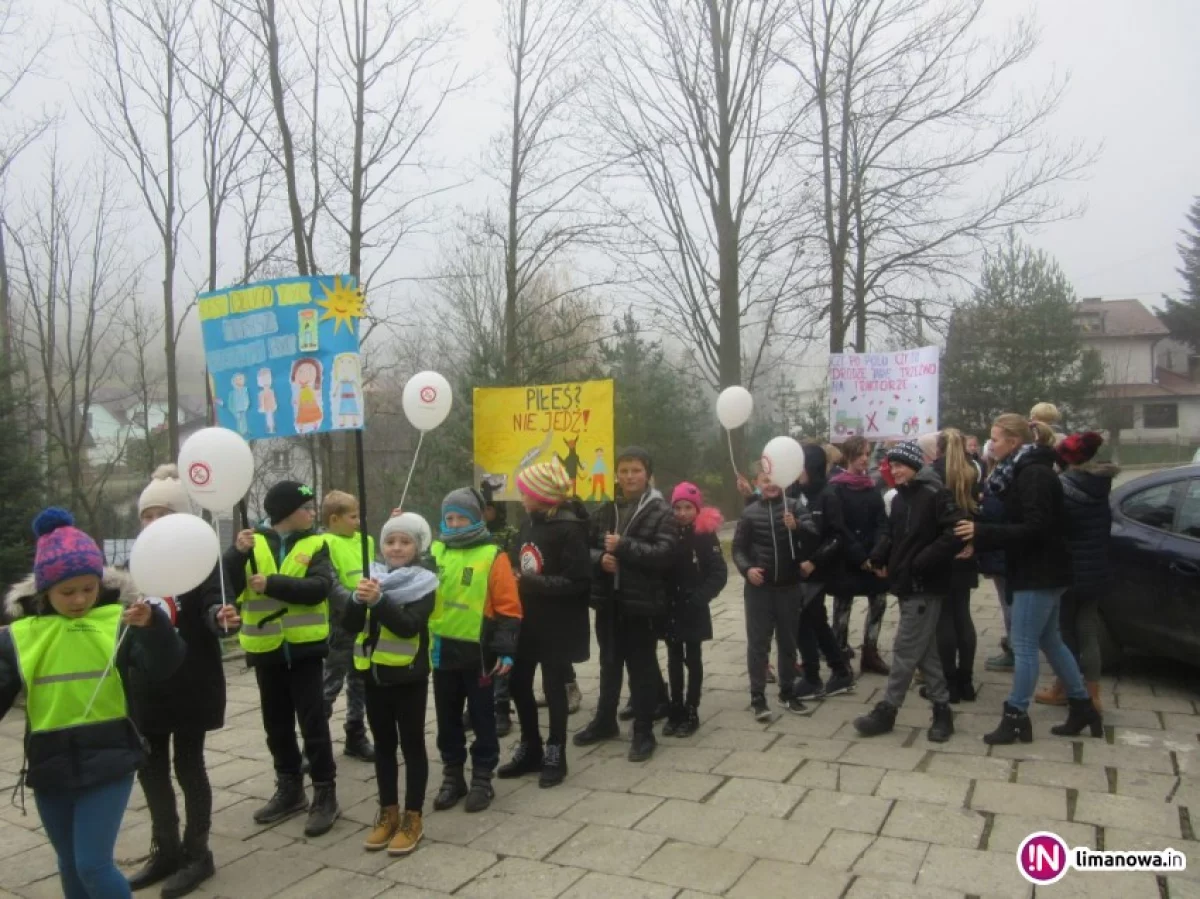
<point>1154,603</point>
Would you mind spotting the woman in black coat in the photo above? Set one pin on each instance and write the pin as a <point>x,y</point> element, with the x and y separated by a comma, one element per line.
<point>553,565</point>
<point>184,707</point>
<point>699,576</point>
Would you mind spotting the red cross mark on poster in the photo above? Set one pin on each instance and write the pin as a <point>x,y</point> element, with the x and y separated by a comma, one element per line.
<point>199,474</point>
<point>428,394</point>
<point>871,426</point>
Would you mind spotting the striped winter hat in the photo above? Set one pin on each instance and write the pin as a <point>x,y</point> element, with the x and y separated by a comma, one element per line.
<point>546,482</point>
<point>63,551</point>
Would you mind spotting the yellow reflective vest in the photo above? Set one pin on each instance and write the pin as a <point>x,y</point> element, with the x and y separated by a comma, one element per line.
<point>347,558</point>
<point>462,591</point>
<point>269,623</point>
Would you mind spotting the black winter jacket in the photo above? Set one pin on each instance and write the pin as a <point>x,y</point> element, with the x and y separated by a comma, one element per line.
<point>76,758</point>
<point>193,698</point>
<point>647,548</point>
<point>311,590</point>
<point>863,520</point>
<point>551,559</point>
<point>1033,533</point>
<point>991,510</point>
<point>400,619</point>
<point>763,541</point>
<point>919,546</point>
<point>1089,523</point>
<point>698,577</point>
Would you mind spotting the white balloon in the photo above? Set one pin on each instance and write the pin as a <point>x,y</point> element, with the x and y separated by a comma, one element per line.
<point>174,555</point>
<point>427,400</point>
<point>782,461</point>
<point>216,467</point>
<point>734,406</point>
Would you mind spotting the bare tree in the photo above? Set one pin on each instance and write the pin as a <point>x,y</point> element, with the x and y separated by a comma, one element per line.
<point>142,116</point>
<point>909,121</point>
<point>687,105</point>
<point>71,279</point>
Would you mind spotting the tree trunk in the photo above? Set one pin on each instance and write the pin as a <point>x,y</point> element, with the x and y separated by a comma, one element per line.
<point>511,353</point>
<point>6,341</point>
<point>285,136</point>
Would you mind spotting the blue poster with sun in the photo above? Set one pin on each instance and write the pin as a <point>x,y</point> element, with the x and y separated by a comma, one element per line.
<point>282,356</point>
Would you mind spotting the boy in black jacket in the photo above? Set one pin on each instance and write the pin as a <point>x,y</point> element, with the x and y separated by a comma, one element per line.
<point>916,555</point>
<point>282,575</point>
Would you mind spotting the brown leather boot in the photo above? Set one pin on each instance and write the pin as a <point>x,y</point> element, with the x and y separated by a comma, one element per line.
<point>871,662</point>
<point>1094,691</point>
<point>386,825</point>
<point>1055,694</point>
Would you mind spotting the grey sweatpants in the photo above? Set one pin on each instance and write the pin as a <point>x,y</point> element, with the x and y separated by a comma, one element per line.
<point>916,647</point>
<point>772,611</point>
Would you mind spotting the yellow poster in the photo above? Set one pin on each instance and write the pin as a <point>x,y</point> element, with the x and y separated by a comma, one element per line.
<point>518,426</point>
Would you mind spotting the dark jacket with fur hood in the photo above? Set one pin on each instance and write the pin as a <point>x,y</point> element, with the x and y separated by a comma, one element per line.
<point>699,576</point>
<point>76,758</point>
<point>1088,522</point>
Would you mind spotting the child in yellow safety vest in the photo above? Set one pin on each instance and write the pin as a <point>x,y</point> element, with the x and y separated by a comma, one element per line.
<point>283,577</point>
<point>340,515</point>
<point>81,747</point>
<point>473,637</point>
<point>388,614</point>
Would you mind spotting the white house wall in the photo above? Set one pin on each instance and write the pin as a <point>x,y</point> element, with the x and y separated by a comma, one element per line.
<point>1126,360</point>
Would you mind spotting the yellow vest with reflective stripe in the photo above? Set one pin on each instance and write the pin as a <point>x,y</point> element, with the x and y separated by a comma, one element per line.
<point>346,555</point>
<point>462,591</point>
<point>61,662</point>
<point>268,623</point>
<point>389,649</point>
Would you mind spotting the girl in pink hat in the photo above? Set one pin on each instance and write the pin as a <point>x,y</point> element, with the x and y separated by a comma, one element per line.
<point>698,576</point>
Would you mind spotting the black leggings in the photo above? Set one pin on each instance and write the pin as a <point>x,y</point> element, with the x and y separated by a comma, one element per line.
<point>680,655</point>
<point>554,683</point>
<point>396,715</point>
<point>814,638</point>
<point>155,777</point>
<point>956,635</point>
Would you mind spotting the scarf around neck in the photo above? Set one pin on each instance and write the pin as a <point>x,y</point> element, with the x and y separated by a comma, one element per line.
<point>1001,479</point>
<point>404,585</point>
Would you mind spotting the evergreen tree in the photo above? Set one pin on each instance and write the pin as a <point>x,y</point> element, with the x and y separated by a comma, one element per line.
<point>1017,343</point>
<point>21,481</point>
<point>1182,316</point>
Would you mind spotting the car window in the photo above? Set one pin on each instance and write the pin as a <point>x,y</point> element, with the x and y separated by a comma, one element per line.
<point>1154,507</point>
<point>1189,512</point>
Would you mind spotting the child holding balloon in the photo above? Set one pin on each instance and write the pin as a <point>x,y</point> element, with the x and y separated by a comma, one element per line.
<point>181,709</point>
<point>81,747</point>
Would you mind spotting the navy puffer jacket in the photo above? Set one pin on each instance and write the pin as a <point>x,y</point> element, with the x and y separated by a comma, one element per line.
<point>1088,521</point>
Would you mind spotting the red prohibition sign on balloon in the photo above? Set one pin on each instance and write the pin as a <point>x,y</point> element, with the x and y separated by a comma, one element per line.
<point>428,394</point>
<point>766,465</point>
<point>199,474</point>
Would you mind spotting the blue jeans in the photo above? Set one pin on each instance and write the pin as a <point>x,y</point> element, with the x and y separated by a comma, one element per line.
<point>1034,625</point>
<point>82,826</point>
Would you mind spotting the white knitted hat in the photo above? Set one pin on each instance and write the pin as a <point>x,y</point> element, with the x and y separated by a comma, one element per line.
<point>165,491</point>
<point>412,524</point>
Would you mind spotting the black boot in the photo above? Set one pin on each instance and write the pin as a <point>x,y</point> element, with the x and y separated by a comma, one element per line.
<point>966,686</point>
<point>503,719</point>
<point>454,788</point>
<point>359,747</point>
<point>1082,714</point>
<point>597,731</point>
<point>198,867</point>
<point>289,799</point>
<point>166,857</point>
<point>880,720</point>
<point>1014,725</point>
<point>943,723</point>
<point>643,745</point>
<point>626,713</point>
<point>662,710</point>
<point>323,812</point>
<point>690,724</point>
<point>675,720</point>
<point>526,759</point>
<point>481,794</point>
<point>554,768</point>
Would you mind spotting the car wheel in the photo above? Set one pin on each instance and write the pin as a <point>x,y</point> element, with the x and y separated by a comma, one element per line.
<point>1111,651</point>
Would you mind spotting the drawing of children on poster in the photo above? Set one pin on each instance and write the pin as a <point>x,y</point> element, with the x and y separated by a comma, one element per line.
<point>306,395</point>
<point>346,394</point>
<point>238,403</point>
<point>268,405</point>
<point>599,475</point>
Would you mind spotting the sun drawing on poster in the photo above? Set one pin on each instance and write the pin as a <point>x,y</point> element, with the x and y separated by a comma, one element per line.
<point>343,303</point>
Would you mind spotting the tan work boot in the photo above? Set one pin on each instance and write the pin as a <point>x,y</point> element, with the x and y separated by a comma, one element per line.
<point>408,835</point>
<point>1055,694</point>
<point>1094,691</point>
<point>387,822</point>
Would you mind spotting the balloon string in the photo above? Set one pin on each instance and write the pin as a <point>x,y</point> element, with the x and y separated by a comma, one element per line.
<point>221,570</point>
<point>411,469</point>
<point>107,671</point>
<point>732,460</point>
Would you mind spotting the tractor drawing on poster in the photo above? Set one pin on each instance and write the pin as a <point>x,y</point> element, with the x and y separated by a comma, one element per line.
<point>846,425</point>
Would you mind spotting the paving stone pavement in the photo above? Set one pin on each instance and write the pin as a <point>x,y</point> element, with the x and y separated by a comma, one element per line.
<point>798,807</point>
